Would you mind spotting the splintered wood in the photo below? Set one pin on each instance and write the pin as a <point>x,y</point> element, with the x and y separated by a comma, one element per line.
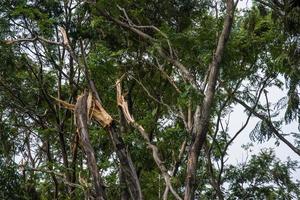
<point>94,107</point>
<point>122,103</point>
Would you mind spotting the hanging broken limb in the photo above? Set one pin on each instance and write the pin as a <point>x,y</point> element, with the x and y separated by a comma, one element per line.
<point>96,111</point>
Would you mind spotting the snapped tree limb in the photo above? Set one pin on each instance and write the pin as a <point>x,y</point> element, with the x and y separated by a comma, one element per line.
<point>155,153</point>
<point>81,115</point>
<point>98,113</point>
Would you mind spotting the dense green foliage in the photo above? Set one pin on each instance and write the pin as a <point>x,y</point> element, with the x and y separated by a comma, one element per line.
<point>41,154</point>
<point>262,177</point>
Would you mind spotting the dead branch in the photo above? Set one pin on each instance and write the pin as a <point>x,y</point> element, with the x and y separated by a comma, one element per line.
<point>37,38</point>
<point>62,176</point>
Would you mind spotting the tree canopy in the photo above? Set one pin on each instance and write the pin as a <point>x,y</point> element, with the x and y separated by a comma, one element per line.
<point>131,99</point>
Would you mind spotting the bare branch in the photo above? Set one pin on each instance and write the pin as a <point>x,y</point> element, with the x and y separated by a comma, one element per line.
<point>9,42</point>
<point>37,38</point>
<point>185,73</point>
<point>171,81</point>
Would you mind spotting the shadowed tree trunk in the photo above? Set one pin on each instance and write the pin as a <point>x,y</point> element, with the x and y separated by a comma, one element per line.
<point>126,163</point>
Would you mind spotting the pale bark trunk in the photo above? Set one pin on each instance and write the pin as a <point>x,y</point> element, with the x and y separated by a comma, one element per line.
<point>202,114</point>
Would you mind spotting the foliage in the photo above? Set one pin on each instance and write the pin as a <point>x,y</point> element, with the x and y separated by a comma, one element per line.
<point>41,153</point>
<point>11,184</point>
<point>262,177</point>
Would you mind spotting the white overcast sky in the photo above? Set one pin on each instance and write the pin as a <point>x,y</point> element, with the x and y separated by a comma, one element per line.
<point>244,4</point>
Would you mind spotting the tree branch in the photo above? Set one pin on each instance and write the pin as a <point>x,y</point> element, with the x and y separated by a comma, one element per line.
<point>81,114</point>
<point>155,152</point>
<point>269,123</point>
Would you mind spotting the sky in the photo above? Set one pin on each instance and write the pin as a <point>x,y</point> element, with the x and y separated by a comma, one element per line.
<point>244,4</point>
<point>238,118</point>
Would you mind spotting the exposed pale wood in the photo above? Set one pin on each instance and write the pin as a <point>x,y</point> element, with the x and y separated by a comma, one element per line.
<point>96,111</point>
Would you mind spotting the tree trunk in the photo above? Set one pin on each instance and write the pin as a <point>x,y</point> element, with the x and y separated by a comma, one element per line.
<point>202,114</point>
<point>126,163</point>
<point>81,122</point>
<point>123,189</point>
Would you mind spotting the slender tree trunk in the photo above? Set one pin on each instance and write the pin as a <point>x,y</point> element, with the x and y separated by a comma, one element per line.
<point>63,149</point>
<point>123,188</point>
<point>74,161</point>
<point>126,163</point>
<point>124,193</point>
<point>48,153</point>
<point>202,114</point>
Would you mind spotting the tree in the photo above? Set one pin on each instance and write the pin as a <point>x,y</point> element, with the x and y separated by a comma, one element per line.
<point>263,177</point>
<point>129,99</point>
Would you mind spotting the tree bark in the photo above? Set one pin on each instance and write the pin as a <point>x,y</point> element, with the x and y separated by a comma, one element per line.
<point>124,194</point>
<point>100,115</point>
<point>81,122</point>
<point>126,163</point>
<point>202,114</point>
